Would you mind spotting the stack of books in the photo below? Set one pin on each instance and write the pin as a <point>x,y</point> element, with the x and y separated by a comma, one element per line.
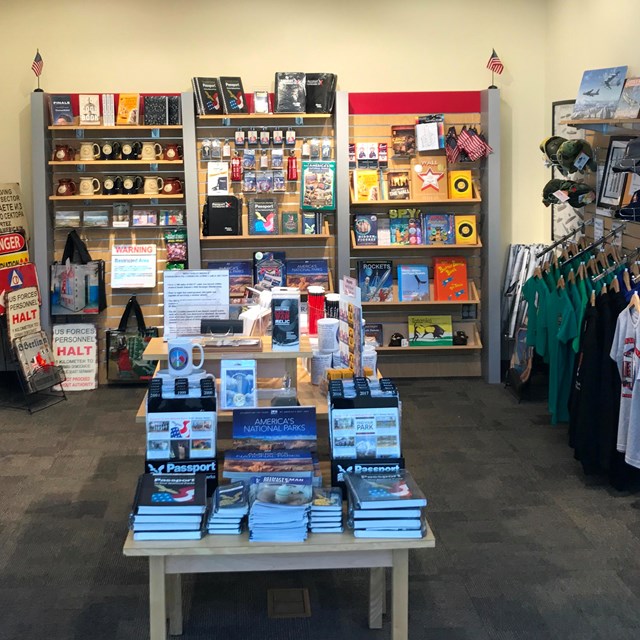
<point>169,507</point>
<point>385,506</point>
<point>279,508</point>
<point>326,510</point>
<point>230,505</point>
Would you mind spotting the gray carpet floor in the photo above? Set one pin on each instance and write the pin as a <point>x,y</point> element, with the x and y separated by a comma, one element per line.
<point>527,546</point>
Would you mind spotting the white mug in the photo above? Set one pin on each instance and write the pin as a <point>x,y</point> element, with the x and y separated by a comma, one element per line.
<point>180,361</point>
<point>151,151</point>
<point>89,186</point>
<point>89,151</point>
<point>153,184</point>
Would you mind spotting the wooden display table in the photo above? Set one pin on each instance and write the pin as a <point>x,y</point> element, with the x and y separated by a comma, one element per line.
<point>157,350</point>
<point>220,554</point>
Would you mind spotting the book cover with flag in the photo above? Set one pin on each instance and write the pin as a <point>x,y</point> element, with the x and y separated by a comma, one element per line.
<point>171,494</point>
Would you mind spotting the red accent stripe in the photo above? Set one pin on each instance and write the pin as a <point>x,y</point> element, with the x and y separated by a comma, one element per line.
<point>414,102</point>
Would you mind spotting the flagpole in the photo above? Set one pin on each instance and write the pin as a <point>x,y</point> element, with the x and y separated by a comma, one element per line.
<point>493,86</point>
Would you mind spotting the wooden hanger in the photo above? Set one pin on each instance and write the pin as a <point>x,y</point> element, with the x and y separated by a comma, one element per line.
<point>582,271</point>
<point>537,272</point>
<point>592,267</point>
<point>593,298</point>
<point>564,253</point>
<point>601,259</point>
<point>634,303</point>
<point>571,277</point>
<point>560,283</point>
<point>603,289</point>
<point>554,259</point>
<point>626,279</point>
<point>615,285</point>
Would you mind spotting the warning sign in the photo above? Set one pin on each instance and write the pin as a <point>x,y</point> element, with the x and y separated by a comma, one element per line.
<point>13,249</point>
<point>15,278</point>
<point>12,215</point>
<point>23,312</point>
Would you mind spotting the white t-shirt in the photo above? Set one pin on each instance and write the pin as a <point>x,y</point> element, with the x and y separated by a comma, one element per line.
<point>624,351</point>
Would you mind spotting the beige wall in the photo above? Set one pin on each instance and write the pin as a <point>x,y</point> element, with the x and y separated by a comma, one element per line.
<point>374,45</point>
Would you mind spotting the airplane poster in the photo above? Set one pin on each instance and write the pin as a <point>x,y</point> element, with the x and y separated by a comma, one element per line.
<point>599,93</point>
<point>629,105</point>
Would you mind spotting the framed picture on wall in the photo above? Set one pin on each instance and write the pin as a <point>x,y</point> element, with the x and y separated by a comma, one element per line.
<point>564,218</point>
<point>613,184</point>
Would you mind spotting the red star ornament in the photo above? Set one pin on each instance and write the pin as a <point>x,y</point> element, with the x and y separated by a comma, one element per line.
<point>430,179</point>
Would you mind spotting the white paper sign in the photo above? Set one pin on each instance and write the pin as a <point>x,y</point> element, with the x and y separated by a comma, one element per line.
<point>191,296</point>
<point>23,312</point>
<point>598,228</point>
<point>133,266</point>
<point>427,136</point>
<point>75,350</point>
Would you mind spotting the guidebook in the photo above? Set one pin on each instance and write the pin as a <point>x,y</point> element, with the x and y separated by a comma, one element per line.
<point>176,493</point>
<point>385,491</point>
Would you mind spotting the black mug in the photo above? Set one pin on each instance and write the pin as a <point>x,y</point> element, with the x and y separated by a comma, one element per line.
<point>131,150</point>
<point>131,184</point>
<point>109,150</point>
<point>112,185</point>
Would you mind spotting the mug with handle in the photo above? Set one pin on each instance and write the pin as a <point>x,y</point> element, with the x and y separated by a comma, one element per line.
<point>112,185</point>
<point>153,184</point>
<point>131,150</point>
<point>131,184</point>
<point>89,186</point>
<point>63,153</point>
<point>89,151</point>
<point>151,151</point>
<point>180,363</point>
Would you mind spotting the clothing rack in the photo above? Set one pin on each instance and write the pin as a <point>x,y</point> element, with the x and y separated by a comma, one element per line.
<point>562,240</point>
<point>625,260</point>
<point>597,243</point>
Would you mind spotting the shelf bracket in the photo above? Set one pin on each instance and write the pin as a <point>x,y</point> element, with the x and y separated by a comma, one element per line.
<point>155,133</point>
<point>299,120</point>
<point>153,166</point>
<point>226,122</point>
<point>608,129</point>
<point>79,134</point>
<point>154,201</point>
<point>82,167</point>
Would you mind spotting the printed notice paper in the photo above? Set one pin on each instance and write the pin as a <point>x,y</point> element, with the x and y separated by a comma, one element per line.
<point>191,296</point>
<point>75,349</point>
<point>133,266</point>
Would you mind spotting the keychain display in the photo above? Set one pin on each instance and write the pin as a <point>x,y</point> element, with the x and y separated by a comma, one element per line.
<point>305,150</point>
<point>249,181</point>
<point>249,159</point>
<point>216,149</point>
<point>278,180</point>
<point>252,137</point>
<point>277,159</point>
<point>326,149</point>
<point>205,150</point>
<point>277,137</point>
<point>265,137</point>
<point>314,149</point>
<point>383,155</point>
<point>290,138</point>
<point>292,166</point>
<point>226,149</point>
<point>264,159</point>
<point>236,168</point>
<point>239,138</point>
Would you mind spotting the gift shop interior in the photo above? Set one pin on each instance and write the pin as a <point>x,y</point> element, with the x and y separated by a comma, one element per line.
<point>323,330</point>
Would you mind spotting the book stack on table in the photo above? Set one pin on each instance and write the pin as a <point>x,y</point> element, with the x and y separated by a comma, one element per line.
<point>230,505</point>
<point>326,510</point>
<point>385,506</point>
<point>279,508</point>
<point>169,507</point>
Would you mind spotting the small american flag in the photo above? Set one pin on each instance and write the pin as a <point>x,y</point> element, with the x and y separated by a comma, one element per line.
<point>179,430</point>
<point>37,64</point>
<point>494,64</point>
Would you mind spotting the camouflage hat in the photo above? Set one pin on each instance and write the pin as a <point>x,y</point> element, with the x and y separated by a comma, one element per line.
<point>578,193</point>
<point>631,159</point>
<point>549,147</point>
<point>571,158</point>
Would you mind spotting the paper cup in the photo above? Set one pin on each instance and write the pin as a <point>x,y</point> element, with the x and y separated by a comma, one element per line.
<point>328,335</point>
<point>320,362</point>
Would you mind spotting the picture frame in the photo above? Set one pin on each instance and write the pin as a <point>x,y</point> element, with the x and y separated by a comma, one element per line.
<point>613,184</point>
<point>564,218</point>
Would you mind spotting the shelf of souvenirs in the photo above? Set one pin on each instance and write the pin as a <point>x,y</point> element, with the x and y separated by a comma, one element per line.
<point>473,298</point>
<point>415,203</point>
<point>269,236</point>
<point>264,116</point>
<point>607,126</point>
<point>410,247</point>
<point>473,344</point>
<point>76,163</point>
<point>120,196</point>
<point>118,127</point>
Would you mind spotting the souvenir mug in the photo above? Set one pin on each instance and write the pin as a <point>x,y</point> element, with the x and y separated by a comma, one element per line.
<point>151,151</point>
<point>89,186</point>
<point>153,184</point>
<point>66,187</point>
<point>180,362</point>
<point>172,185</point>
<point>63,153</point>
<point>112,185</point>
<point>110,150</point>
<point>89,151</point>
<point>131,184</point>
<point>130,150</point>
<point>172,152</point>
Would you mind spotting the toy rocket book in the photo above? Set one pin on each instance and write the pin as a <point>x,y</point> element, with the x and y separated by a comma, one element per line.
<point>375,280</point>
<point>450,279</point>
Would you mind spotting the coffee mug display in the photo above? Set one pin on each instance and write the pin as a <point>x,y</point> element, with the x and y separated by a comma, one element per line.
<point>110,151</point>
<point>172,152</point>
<point>151,151</point>
<point>172,185</point>
<point>89,186</point>
<point>63,153</point>
<point>66,187</point>
<point>153,184</point>
<point>131,184</point>
<point>89,151</point>
<point>180,362</point>
<point>112,185</point>
<point>131,150</point>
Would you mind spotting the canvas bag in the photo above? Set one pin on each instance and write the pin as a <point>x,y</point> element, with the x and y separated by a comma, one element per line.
<point>77,281</point>
<point>125,347</point>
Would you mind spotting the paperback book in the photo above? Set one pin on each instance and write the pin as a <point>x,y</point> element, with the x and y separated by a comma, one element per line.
<point>439,228</point>
<point>269,269</point>
<point>450,278</point>
<point>128,109</point>
<point>403,140</point>
<point>366,185</point>
<point>373,334</point>
<point>365,432</point>
<point>89,109</point>
<point>61,109</point>
<point>170,494</point>
<point>399,231</point>
<point>155,110</point>
<point>413,282</point>
<point>290,223</point>
<point>317,189</point>
<point>398,185</point>
<point>430,331</point>
<point>285,318</point>
<point>306,272</point>
<point>208,96</point>
<point>375,279</point>
<point>384,491</point>
<point>240,276</point>
<point>263,216</point>
<point>233,98</point>
<point>365,229</point>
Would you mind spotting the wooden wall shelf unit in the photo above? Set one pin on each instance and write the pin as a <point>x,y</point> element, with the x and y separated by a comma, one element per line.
<point>370,119</point>
<point>120,198</point>
<point>266,116</point>
<point>97,163</point>
<point>119,127</point>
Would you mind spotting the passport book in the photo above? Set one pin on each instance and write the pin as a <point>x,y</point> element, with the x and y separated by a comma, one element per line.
<point>176,493</point>
<point>233,98</point>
